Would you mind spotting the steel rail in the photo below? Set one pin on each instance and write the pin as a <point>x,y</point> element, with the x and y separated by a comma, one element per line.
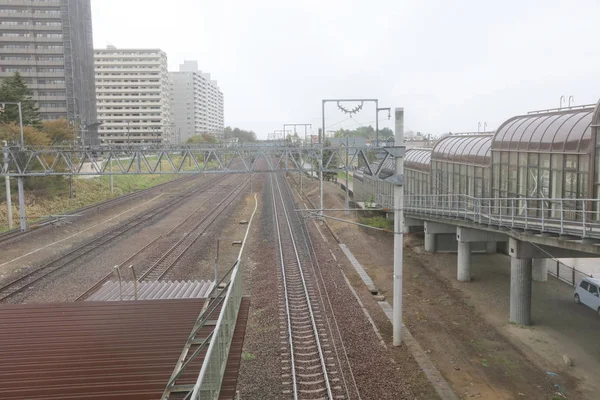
<point>161,270</point>
<point>19,284</point>
<point>288,224</point>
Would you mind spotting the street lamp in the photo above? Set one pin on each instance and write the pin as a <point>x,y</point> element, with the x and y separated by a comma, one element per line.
<point>3,106</point>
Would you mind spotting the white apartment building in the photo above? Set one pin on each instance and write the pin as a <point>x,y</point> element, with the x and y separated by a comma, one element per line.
<point>132,89</point>
<point>196,103</point>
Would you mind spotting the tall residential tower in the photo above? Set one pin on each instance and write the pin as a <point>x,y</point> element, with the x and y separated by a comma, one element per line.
<point>196,102</point>
<point>132,86</point>
<point>49,42</point>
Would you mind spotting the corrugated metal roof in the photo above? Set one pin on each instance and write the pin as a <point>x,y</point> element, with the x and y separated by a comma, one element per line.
<point>111,291</point>
<point>471,149</point>
<point>567,131</point>
<point>419,159</point>
<point>101,350</point>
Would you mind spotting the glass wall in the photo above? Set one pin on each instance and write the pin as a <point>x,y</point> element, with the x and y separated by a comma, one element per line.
<point>417,172</point>
<point>461,165</point>
<point>546,157</point>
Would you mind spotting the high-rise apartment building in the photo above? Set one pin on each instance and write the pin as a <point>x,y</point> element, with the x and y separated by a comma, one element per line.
<point>196,103</point>
<point>132,87</point>
<point>49,42</point>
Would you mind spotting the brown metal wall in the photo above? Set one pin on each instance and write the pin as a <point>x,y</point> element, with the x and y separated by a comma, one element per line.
<point>99,350</point>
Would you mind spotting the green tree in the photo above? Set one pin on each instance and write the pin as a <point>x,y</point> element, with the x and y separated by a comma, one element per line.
<point>14,89</point>
<point>385,133</point>
<point>32,136</point>
<point>59,130</point>
<point>202,139</point>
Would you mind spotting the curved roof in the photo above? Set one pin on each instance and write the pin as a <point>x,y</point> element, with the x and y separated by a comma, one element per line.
<point>472,150</point>
<point>553,132</point>
<point>419,159</point>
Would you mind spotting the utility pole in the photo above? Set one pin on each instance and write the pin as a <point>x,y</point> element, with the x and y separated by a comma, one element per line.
<point>18,104</point>
<point>301,161</point>
<point>20,179</point>
<point>398,152</point>
<point>7,184</point>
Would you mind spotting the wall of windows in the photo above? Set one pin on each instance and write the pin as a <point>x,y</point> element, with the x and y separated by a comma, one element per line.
<point>417,172</point>
<point>461,165</point>
<point>545,156</point>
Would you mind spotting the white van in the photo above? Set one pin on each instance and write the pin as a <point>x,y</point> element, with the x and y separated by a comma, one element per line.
<point>588,293</point>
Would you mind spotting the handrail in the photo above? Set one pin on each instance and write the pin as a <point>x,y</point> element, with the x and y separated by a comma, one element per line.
<point>210,377</point>
<point>565,216</point>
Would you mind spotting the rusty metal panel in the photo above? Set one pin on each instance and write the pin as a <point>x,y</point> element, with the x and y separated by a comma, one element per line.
<point>100,350</point>
<point>152,290</point>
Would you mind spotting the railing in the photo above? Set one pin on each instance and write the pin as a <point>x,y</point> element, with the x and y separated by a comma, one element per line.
<point>577,217</point>
<point>218,343</point>
<point>567,274</point>
<point>209,381</point>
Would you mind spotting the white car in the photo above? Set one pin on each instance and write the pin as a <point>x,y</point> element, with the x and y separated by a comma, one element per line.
<point>588,293</point>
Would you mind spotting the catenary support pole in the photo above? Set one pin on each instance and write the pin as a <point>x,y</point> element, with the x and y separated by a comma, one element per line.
<point>398,234</point>
<point>21,124</point>
<point>22,216</point>
<point>7,184</point>
<point>112,183</point>
<point>377,123</point>
<point>321,142</point>
<point>347,200</point>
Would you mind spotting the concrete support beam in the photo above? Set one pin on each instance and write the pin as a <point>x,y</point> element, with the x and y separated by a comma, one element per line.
<point>540,269</point>
<point>463,268</point>
<point>491,247</point>
<point>435,228</point>
<point>431,230</point>
<point>522,249</point>
<point>476,235</point>
<point>520,291</point>
<point>412,225</point>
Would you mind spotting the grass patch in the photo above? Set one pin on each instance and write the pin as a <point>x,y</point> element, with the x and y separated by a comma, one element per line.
<point>342,175</point>
<point>247,356</point>
<point>378,221</point>
<point>41,203</point>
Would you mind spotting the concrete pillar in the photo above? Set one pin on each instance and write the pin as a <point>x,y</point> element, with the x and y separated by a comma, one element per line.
<point>463,267</point>
<point>491,247</point>
<point>540,269</point>
<point>520,291</point>
<point>429,242</point>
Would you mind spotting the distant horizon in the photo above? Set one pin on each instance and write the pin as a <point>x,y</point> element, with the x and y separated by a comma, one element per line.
<point>275,62</point>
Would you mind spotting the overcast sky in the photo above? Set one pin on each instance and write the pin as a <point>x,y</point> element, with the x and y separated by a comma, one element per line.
<point>450,64</point>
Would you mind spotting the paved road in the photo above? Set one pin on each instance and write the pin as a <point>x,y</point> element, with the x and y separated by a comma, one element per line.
<point>559,325</point>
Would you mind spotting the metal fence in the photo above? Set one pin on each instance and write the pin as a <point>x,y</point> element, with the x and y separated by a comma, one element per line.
<point>577,217</point>
<point>209,381</point>
<point>226,303</point>
<point>567,274</point>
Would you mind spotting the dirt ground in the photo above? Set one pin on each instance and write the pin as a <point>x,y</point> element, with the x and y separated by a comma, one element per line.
<point>463,343</point>
<point>378,370</point>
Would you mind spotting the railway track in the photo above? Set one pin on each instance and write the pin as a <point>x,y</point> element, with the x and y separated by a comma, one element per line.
<point>313,374</point>
<point>177,245</point>
<point>18,285</point>
<point>166,262</point>
<point>9,236</point>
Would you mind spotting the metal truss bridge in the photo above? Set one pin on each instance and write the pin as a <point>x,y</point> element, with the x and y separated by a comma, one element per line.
<point>57,161</point>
